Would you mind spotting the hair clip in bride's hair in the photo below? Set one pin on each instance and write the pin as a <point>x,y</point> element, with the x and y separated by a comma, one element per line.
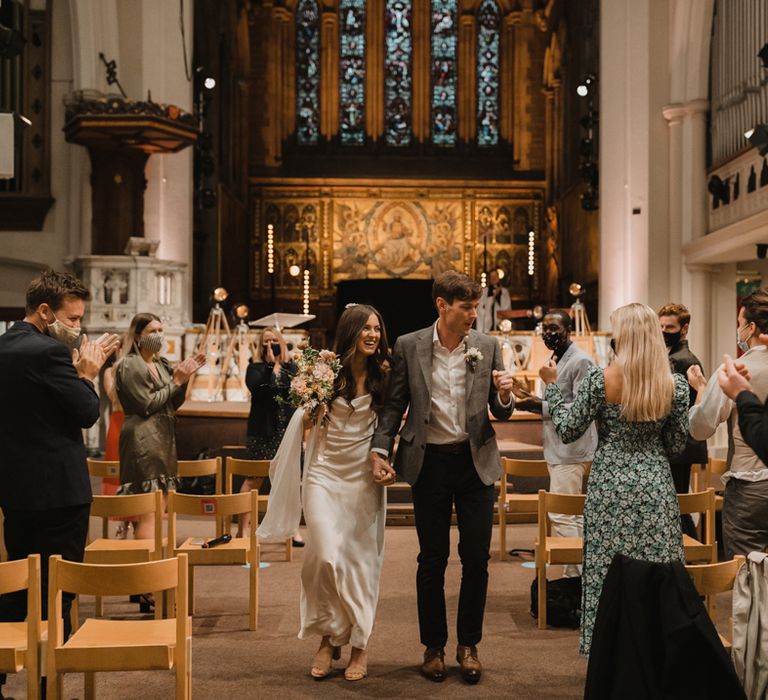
<point>350,305</point>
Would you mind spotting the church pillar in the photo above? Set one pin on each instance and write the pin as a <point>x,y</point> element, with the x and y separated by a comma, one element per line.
<point>699,301</point>
<point>633,155</point>
<point>687,186</point>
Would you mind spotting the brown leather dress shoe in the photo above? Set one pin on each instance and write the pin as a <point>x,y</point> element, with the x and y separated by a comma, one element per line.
<point>434,666</point>
<point>469,665</point>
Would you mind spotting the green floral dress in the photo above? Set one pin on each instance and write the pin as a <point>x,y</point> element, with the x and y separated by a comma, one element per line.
<point>631,506</point>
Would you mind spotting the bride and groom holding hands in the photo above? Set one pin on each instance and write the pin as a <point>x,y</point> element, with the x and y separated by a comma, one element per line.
<point>447,377</point>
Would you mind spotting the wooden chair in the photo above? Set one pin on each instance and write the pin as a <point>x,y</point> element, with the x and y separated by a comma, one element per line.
<point>704,550</point>
<point>192,468</point>
<point>258,469</point>
<point>104,550</point>
<point>119,645</point>
<point>555,550</point>
<point>104,468</point>
<point>238,551</point>
<point>20,642</point>
<point>711,579</point>
<point>716,468</point>
<point>524,503</point>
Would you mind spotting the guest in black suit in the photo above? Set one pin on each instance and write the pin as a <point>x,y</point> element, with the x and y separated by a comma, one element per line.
<point>48,398</point>
<point>675,321</point>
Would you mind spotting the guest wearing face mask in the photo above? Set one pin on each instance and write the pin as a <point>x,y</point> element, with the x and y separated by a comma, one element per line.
<point>48,399</point>
<point>675,321</point>
<point>566,462</point>
<point>150,391</point>
<point>745,510</point>
<point>268,378</point>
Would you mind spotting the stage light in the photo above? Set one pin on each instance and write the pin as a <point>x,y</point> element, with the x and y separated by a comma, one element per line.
<point>587,86</point>
<point>719,189</point>
<point>209,83</point>
<point>220,294</point>
<point>294,270</point>
<point>242,311</point>
<point>576,290</point>
<point>763,56</point>
<point>758,137</point>
<point>271,249</point>
<point>538,312</point>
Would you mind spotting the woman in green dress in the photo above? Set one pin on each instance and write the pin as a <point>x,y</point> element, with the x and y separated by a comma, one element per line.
<point>150,391</point>
<point>641,411</point>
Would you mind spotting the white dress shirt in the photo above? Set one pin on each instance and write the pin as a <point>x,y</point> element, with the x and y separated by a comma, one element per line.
<point>448,420</point>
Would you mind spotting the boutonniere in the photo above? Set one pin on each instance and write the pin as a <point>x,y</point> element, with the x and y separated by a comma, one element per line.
<point>472,356</point>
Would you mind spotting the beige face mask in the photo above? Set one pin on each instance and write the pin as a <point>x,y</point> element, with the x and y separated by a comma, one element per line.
<point>63,333</point>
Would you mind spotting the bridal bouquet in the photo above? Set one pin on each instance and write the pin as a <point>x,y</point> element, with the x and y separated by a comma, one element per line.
<point>312,386</point>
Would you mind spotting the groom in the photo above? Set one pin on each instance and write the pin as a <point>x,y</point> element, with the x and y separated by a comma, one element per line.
<point>447,376</point>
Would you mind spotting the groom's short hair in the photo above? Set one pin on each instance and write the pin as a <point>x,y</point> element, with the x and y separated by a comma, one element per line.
<point>452,285</point>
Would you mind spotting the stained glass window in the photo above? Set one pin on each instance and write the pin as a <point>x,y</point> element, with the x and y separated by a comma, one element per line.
<point>307,72</point>
<point>488,74</point>
<point>444,53</point>
<point>352,72</point>
<point>397,73</point>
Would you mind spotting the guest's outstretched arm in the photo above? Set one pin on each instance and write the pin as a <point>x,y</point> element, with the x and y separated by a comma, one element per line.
<point>571,422</point>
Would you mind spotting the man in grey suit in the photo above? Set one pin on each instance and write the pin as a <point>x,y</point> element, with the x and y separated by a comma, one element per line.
<point>447,376</point>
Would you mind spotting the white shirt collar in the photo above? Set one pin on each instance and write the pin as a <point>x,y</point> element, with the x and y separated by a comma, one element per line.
<point>437,344</point>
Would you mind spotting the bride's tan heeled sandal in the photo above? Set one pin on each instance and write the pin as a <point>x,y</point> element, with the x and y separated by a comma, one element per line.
<point>323,661</point>
<point>358,669</point>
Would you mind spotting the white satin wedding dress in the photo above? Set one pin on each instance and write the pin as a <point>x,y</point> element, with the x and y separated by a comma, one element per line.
<point>345,513</point>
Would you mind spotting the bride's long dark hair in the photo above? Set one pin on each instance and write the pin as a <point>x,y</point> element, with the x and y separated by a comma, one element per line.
<point>348,331</point>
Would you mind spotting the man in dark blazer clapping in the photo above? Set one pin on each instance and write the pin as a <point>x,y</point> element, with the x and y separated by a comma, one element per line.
<point>47,399</point>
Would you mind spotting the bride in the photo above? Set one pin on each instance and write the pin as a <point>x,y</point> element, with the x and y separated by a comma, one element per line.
<point>344,509</point>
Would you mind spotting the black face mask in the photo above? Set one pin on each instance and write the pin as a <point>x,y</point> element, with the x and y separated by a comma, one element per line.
<point>671,339</point>
<point>276,349</point>
<point>553,341</point>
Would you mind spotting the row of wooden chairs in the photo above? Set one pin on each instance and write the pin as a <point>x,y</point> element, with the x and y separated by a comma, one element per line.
<point>552,550</point>
<point>97,645</point>
<point>196,468</point>
<point>221,507</point>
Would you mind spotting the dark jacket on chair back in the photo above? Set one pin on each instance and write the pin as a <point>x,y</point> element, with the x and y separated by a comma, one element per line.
<point>653,639</point>
<point>44,406</point>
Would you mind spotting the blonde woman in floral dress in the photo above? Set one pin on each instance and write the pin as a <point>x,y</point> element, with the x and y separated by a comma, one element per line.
<point>641,411</point>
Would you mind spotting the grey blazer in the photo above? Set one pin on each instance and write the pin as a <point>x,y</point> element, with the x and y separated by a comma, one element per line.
<point>410,388</point>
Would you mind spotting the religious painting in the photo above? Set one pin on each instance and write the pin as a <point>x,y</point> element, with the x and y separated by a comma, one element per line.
<point>374,239</point>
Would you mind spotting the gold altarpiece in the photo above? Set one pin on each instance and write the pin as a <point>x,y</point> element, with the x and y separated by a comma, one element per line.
<point>393,230</point>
